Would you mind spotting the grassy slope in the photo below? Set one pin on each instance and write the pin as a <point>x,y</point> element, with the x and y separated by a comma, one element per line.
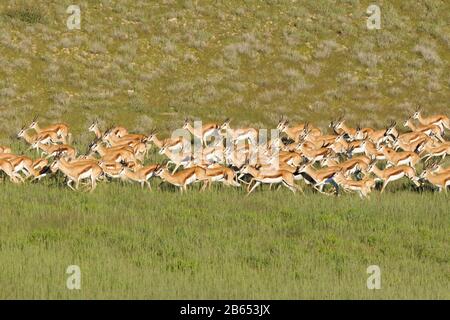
<point>145,63</point>
<point>133,64</point>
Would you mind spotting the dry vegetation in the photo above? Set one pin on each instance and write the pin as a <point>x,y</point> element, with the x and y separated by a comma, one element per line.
<point>145,64</point>
<point>164,60</point>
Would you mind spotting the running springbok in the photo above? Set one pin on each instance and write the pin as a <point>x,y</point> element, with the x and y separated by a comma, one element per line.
<point>141,175</point>
<point>204,133</point>
<point>61,129</point>
<point>52,150</point>
<point>184,177</point>
<point>400,158</point>
<point>8,169</point>
<point>275,176</point>
<point>119,132</point>
<point>4,149</point>
<point>440,120</point>
<point>393,174</point>
<point>239,135</point>
<point>75,172</point>
<point>440,179</point>
<point>362,187</point>
<point>174,144</point>
<point>430,130</point>
<point>46,137</point>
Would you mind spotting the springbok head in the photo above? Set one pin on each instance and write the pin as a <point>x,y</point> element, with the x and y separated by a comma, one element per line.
<point>34,123</point>
<point>417,112</point>
<point>226,124</point>
<point>282,123</point>
<point>93,126</point>
<point>391,131</point>
<point>186,123</point>
<point>21,132</point>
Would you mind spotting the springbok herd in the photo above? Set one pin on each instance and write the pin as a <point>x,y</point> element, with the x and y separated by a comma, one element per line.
<point>347,159</point>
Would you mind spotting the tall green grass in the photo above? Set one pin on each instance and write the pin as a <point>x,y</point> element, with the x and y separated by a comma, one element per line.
<point>132,243</point>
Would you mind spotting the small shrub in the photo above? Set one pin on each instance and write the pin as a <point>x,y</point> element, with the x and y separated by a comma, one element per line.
<point>27,14</point>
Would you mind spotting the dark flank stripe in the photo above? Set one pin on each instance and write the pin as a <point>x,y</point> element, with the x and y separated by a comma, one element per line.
<point>397,171</point>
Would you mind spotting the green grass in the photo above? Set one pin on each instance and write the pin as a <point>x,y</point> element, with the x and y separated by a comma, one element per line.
<point>132,243</point>
<point>145,64</point>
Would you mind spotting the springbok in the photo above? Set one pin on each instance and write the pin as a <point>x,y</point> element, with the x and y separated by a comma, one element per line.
<point>219,173</point>
<point>440,120</point>
<point>53,149</point>
<point>119,132</point>
<point>61,129</point>
<point>362,187</point>
<point>276,176</point>
<point>318,178</point>
<point>46,137</point>
<point>239,135</point>
<point>8,169</point>
<point>399,158</point>
<point>430,130</point>
<point>435,150</point>
<point>205,132</point>
<point>24,164</point>
<point>440,180</point>
<point>117,154</point>
<point>393,174</point>
<point>75,172</point>
<point>141,175</point>
<point>4,149</point>
<point>184,177</point>
<point>174,144</point>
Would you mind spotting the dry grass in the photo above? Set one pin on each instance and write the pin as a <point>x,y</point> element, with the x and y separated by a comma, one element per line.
<point>160,54</point>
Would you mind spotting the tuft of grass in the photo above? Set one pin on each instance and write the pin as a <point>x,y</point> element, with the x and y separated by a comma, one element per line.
<point>25,13</point>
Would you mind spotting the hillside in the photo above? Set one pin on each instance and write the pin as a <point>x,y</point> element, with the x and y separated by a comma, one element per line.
<point>147,64</point>
<point>150,64</point>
